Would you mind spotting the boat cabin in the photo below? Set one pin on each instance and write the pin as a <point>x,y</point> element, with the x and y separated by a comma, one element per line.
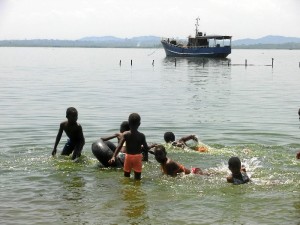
<point>208,41</point>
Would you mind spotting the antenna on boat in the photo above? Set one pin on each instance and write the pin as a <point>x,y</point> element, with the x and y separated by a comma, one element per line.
<point>197,25</point>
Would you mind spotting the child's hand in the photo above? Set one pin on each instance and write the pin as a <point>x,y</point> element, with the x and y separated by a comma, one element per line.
<point>112,160</point>
<point>195,138</point>
<point>54,152</point>
<point>243,169</point>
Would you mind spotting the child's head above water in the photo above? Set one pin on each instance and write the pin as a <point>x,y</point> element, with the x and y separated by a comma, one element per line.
<point>169,137</point>
<point>134,120</point>
<point>124,126</point>
<point>72,114</point>
<point>160,153</point>
<point>234,164</point>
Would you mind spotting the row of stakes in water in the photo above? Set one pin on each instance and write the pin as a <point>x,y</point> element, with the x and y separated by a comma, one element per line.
<point>246,63</point>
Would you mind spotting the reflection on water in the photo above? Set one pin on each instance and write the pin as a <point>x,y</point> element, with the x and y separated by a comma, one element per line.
<point>196,61</point>
<point>72,195</point>
<point>73,188</point>
<point>135,200</point>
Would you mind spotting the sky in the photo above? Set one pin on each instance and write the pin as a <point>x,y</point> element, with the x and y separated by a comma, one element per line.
<point>75,19</point>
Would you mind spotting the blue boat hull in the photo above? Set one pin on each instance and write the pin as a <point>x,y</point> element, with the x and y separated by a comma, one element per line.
<point>178,51</point>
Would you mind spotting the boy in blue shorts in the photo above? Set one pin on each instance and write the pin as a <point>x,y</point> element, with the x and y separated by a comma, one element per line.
<point>74,132</point>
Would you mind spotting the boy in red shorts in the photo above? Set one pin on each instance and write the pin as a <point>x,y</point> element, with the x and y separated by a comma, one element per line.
<point>135,141</point>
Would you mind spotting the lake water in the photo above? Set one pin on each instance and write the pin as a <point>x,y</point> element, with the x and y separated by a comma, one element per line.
<point>237,110</point>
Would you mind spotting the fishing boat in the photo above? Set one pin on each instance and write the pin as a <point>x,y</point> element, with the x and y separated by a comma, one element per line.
<point>202,45</point>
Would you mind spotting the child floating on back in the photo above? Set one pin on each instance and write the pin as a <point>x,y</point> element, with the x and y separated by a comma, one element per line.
<point>170,167</point>
<point>239,175</point>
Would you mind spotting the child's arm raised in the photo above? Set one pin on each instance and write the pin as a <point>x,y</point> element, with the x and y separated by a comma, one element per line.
<point>187,138</point>
<point>116,135</point>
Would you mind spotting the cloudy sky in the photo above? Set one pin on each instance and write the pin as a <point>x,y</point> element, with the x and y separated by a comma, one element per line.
<point>74,19</point>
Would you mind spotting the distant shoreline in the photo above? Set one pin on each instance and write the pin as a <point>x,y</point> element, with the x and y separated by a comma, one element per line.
<point>128,43</point>
<point>252,47</point>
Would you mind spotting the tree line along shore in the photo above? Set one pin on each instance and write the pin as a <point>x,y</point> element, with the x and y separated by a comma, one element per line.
<point>125,44</point>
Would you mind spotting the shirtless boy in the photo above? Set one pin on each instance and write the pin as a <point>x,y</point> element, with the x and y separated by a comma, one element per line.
<point>74,132</point>
<point>170,167</point>
<point>135,141</point>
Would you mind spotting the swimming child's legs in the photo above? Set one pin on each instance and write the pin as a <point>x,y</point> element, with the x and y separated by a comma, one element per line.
<point>133,162</point>
<point>68,149</point>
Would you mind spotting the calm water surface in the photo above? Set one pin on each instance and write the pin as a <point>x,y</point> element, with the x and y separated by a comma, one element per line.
<point>250,112</point>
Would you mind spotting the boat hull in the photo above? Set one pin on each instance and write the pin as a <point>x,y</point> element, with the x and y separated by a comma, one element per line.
<point>180,51</point>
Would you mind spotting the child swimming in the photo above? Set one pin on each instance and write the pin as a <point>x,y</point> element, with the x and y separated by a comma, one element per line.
<point>169,137</point>
<point>239,175</point>
<point>170,167</point>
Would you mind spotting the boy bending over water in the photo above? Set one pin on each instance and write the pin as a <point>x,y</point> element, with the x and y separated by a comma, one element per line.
<point>135,141</point>
<point>74,132</point>
<point>239,175</point>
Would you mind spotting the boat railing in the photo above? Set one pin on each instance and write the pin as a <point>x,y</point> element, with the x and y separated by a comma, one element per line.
<point>173,41</point>
<point>212,43</point>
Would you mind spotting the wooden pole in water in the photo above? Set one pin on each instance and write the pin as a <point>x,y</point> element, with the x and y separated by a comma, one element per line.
<point>245,62</point>
<point>153,62</point>
<point>175,61</point>
<point>131,62</point>
<point>120,63</point>
<point>272,62</point>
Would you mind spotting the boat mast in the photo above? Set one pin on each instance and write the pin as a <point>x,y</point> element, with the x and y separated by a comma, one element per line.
<point>197,25</point>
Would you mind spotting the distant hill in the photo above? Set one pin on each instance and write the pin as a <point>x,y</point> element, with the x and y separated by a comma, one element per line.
<point>88,42</point>
<point>102,39</point>
<point>267,42</point>
<point>270,39</point>
<point>142,41</point>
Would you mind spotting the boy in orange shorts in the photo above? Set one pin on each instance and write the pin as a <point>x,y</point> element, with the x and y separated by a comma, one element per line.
<point>135,141</point>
